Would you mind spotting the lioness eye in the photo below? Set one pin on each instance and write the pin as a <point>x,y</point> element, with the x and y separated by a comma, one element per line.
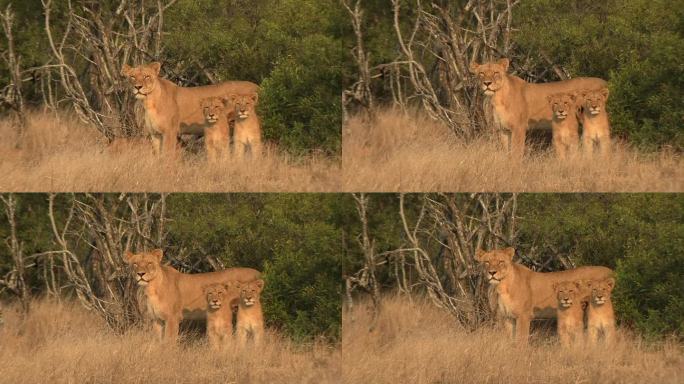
<point>135,265</point>
<point>481,74</point>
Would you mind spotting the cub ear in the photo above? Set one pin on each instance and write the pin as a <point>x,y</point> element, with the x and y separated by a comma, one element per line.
<point>255,98</point>
<point>225,99</point>
<point>259,284</point>
<point>474,67</point>
<point>604,92</point>
<point>554,286</point>
<point>549,98</point>
<point>611,282</point>
<point>504,63</point>
<point>126,70</point>
<point>155,66</point>
<point>510,252</point>
<point>228,285</point>
<point>578,284</point>
<point>158,254</point>
<point>573,96</point>
<point>205,288</point>
<point>128,256</point>
<point>232,97</point>
<point>478,254</point>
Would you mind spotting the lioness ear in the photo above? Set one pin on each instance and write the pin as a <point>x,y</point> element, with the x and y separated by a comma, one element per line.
<point>128,256</point>
<point>504,63</point>
<point>478,254</point>
<point>510,252</point>
<point>259,284</point>
<point>474,67</point>
<point>158,253</point>
<point>604,92</point>
<point>155,66</point>
<point>126,70</point>
<point>225,99</point>
<point>611,282</point>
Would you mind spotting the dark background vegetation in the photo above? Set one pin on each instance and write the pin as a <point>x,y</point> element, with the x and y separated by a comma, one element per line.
<point>635,44</point>
<point>293,49</point>
<point>294,239</point>
<point>640,236</point>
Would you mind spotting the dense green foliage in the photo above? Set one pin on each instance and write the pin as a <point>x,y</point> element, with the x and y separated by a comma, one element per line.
<point>635,44</point>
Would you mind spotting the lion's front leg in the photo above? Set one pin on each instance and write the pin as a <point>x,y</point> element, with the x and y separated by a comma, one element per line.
<point>158,328</point>
<point>518,142</point>
<point>522,329</point>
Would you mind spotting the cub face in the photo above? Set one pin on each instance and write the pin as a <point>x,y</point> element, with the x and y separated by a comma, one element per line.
<point>244,104</point>
<point>562,104</point>
<point>490,75</point>
<point>250,293</point>
<point>594,101</point>
<point>213,107</point>
<point>145,266</point>
<point>601,290</point>
<point>216,294</point>
<point>143,79</point>
<point>496,264</point>
<point>567,293</point>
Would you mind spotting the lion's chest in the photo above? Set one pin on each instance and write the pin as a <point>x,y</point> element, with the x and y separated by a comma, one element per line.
<point>506,303</point>
<point>155,303</point>
<point>153,119</point>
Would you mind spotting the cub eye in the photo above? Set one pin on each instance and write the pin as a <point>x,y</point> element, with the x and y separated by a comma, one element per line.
<point>147,77</point>
<point>149,264</point>
<point>481,74</point>
<point>501,262</point>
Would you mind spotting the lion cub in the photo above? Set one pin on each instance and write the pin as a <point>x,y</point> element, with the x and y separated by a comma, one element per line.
<point>247,133</point>
<point>564,124</point>
<point>600,314</point>
<point>595,124</point>
<point>217,113</point>
<point>250,318</point>
<point>219,313</point>
<point>570,312</point>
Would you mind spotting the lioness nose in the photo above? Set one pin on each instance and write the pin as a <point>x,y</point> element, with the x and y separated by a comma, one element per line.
<point>492,273</point>
<point>141,274</point>
<point>138,87</point>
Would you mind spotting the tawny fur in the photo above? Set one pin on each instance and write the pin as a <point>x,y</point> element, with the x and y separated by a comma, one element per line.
<point>570,323</point>
<point>565,126</point>
<point>171,110</point>
<point>218,112</point>
<point>519,105</point>
<point>595,121</point>
<point>600,314</point>
<point>523,294</point>
<point>250,317</point>
<point>171,295</point>
<point>220,313</point>
<point>247,136</point>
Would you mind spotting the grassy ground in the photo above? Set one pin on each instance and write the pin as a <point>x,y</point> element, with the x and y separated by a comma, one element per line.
<point>413,153</point>
<point>418,343</point>
<point>63,343</point>
<point>58,153</point>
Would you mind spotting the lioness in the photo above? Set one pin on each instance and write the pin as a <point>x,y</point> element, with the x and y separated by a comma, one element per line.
<point>247,125</point>
<point>523,294</point>
<point>171,110</point>
<point>217,112</point>
<point>565,126</point>
<point>220,312</point>
<point>171,295</point>
<point>518,104</point>
<point>594,118</point>
<point>600,314</point>
<point>250,317</point>
<point>570,312</point>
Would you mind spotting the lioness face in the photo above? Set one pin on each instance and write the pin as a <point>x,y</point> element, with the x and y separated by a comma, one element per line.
<point>244,104</point>
<point>143,78</point>
<point>495,263</point>
<point>212,107</point>
<point>146,266</point>
<point>562,104</point>
<point>594,101</point>
<point>490,75</point>
<point>566,292</point>
<point>216,294</point>
<point>601,290</point>
<point>251,292</point>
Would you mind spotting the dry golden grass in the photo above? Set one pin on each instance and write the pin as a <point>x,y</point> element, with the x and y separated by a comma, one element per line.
<point>413,153</point>
<point>418,343</point>
<point>62,343</point>
<point>60,154</point>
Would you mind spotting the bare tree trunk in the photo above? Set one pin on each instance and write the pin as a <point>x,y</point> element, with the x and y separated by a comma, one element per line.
<point>16,281</point>
<point>360,92</point>
<point>92,239</point>
<point>12,93</point>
